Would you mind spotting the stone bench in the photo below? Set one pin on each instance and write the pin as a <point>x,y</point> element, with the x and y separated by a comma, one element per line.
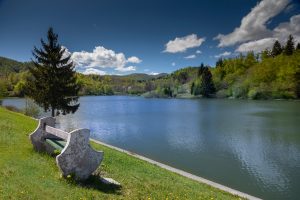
<point>75,155</point>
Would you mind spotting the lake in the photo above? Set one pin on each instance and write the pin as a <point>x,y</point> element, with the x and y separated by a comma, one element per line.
<point>251,146</point>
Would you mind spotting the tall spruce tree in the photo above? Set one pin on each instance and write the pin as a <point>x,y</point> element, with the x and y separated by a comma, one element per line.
<point>207,84</point>
<point>290,46</point>
<point>277,49</point>
<point>53,86</point>
<point>298,46</point>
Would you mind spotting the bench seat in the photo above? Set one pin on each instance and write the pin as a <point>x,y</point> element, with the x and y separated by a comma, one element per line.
<point>57,144</point>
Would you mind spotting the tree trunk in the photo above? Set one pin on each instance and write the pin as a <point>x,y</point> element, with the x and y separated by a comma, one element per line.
<point>52,111</point>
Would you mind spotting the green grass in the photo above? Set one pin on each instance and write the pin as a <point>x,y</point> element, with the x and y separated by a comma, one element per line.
<point>26,174</point>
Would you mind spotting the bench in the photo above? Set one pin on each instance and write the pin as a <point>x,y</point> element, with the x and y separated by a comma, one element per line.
<point>75,155</point>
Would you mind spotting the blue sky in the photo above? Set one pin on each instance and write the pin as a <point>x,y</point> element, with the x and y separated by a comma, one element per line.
<point>146,36</point>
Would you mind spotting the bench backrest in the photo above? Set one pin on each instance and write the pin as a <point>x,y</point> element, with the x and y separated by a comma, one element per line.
<point>51,131</point>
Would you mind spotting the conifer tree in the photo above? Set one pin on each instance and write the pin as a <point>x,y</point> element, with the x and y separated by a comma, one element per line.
<point>298,46</point>
<point>277,49</point>
<point>290,47</point>
<point>207,84</point>
<point>53,85</point>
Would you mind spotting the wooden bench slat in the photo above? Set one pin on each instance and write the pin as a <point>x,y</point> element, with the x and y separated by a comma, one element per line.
<point>57,132</point>
<point>56,144</point>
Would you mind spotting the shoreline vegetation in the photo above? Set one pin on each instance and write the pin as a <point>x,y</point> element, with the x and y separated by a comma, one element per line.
<point>270,74</point>
<point>25,173</point>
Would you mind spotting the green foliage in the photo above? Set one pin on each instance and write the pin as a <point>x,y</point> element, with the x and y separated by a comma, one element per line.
<point>270,77</point>
<point>31,109</point>
<point>290,46</point>
<point>3,89</point>
<point>277,49</point>
<point>53,85</point>
<point>298,46</point>
<point>207,86</point>
<point>269,74</point>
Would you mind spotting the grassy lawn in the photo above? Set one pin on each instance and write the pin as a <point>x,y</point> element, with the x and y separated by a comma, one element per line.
<point>25,174</point>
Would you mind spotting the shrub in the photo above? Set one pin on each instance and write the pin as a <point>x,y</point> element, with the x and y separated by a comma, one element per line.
<point>31,109</point>
<point>222,93</point>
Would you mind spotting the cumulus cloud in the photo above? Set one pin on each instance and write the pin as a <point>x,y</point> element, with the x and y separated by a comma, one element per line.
<point>198,52</point>
<point>103,58</point>
<point>154,73</point>
<point>181,44</point>
<point>93,71</point>
<point>253,25</point>
<point>66,53</point>
<point>190,56</point>
<point>173,64</point>
<point>134,59</point>
<point>126,69</point>
<point>280,33</point>
<point>257,45</point>
<point>226,53</point>
<point>292,27</point>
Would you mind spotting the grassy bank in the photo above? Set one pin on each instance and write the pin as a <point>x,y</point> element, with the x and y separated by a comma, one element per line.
<point>25,174</point>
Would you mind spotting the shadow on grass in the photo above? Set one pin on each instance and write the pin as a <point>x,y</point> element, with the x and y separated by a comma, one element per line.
<point>95,182</point>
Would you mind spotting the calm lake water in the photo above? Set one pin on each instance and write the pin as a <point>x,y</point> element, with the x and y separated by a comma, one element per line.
<point>251,146</point>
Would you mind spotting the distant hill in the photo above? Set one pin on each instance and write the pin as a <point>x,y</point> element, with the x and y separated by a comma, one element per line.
<point>11,66</point>
<point>8,65</point>
<point>144,77</point>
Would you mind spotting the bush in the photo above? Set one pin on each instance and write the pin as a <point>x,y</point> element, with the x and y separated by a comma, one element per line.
<point>259,93</point>
<point>31,109</point>
<point>222,94</point>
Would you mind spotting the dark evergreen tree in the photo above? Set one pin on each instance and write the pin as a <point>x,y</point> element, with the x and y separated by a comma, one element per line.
<point>277,49</point>
<point>207,84</point>
<point>298,46</point>
<point>290,46</point>
<point>192,88</point>
<point>200,70</point>
<point>53,85</point>
<point>297,78</point>
<point>220,62</point>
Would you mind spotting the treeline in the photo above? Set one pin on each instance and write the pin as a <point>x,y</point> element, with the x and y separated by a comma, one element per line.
<point>270,74</point>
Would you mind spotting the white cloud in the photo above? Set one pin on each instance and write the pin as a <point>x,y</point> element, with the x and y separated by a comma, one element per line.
<point>190,56</point>
<point>134,59</point>
<point>198,52</point>
<point>154,73</point>
<point>103,58</point>
<point>146,70</point>
<point>283,30</point>
<point>183,43</point>
<point>93,71</point>
<point>253,25</point>
<point>224,54</point>
<point>257,45</point>
<point>126,69</point>
<point>173,64</point>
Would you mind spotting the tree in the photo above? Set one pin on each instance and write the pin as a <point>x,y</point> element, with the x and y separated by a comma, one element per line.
<point>53,85</point>
<point>277,49</point>
<point>298,46</point>
<point>265,54</point>
<point>207,84</point>
<point>289,47</point>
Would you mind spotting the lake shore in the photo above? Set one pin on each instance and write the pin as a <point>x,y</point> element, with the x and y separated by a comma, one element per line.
<point>25,173</point>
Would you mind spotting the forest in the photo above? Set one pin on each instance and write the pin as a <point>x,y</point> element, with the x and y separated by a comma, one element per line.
<point>271,74</point>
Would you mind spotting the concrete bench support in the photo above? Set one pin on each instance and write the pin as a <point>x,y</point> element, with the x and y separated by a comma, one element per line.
<point>77,157</point>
